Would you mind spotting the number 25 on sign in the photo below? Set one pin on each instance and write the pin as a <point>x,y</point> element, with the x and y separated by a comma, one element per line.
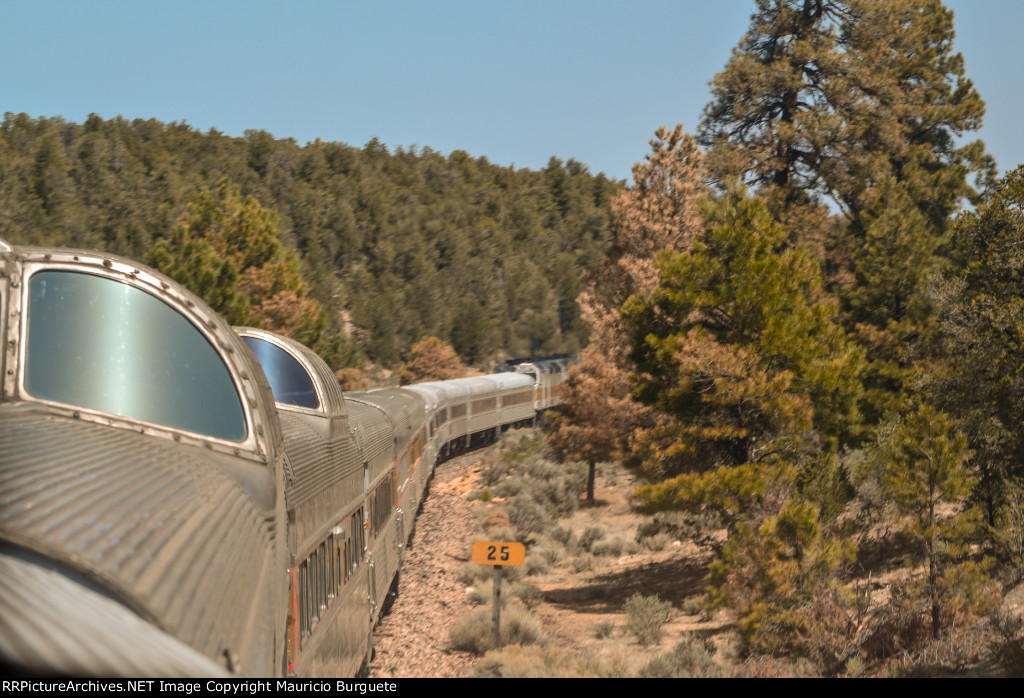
<point>498,553</point>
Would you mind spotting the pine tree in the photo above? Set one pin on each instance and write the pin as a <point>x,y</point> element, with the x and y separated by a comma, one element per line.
<point>661,211</point>
<point>783,578</point>
<point>225,249</point>
<point>430,359</point>
<point>980,331</point>
<point>740,353</point>
<point>921,463</point>
<point>860,104</point>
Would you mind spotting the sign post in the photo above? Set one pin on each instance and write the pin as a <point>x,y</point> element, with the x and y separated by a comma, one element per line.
<point>498,554</point>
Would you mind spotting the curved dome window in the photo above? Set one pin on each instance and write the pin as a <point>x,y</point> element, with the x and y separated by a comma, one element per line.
<point>100,344</point>
<point>288,380</point>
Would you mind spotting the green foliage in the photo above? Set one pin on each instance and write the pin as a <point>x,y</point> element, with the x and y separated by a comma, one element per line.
<point>980,380</point>
<point>390,242</point>
<point>827,102</point>
<point>738,350</point>
<point>922,466</point>
<point>1009,529</point>
<point>225,249</point>
<point>783,579</point>
<point>646,617</point>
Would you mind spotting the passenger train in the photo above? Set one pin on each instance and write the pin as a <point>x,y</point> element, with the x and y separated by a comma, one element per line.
<point>179,497</point>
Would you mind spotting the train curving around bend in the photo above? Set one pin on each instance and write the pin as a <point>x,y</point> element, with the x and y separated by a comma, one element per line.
<point>180,497</point>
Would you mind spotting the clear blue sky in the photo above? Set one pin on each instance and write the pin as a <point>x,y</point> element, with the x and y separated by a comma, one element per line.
<point>514,81</point>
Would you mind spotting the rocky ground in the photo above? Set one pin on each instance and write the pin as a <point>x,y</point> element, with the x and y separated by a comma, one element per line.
<point>412,640</point>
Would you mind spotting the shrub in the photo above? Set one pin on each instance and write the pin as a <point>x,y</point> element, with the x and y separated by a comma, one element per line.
<point>603,629</point>
<point>472,633</point>
<point>528,515</point>
<point>532,662</point>
<point>530,595</point>
<point>536,563</point>
<point>583,563</point>
<point>656,542</point>
<point>591,535</point>
<point>1008,649</point>
<point>672,523</point>
<point>609,548</point>
<point>646,616</point>
<point>562,534</point>
<point>691,658</point>
<point>550,554</point>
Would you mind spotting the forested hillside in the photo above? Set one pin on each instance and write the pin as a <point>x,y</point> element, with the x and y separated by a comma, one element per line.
<point>392,246</point>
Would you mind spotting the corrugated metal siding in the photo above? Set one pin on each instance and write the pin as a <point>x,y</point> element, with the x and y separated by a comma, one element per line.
<point>54,625</point>
<point>338,646</point>
<point>158,523</point>
<point>327,479</point>
<point>373,435</point>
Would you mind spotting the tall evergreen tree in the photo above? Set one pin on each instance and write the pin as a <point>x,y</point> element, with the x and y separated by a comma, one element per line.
<point>742,357</point>
<point>980,379</point>
<point>860,104</point>
<point>660,212</point>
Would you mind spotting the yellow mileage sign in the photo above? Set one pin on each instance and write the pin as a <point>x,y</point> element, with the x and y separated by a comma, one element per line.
<point>486,552</point>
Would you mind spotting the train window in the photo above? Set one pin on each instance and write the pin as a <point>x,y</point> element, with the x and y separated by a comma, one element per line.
<point>289,381</point>
<point>101,344</point>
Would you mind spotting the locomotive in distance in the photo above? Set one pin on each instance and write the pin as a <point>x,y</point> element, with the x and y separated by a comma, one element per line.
<point>183,498</point>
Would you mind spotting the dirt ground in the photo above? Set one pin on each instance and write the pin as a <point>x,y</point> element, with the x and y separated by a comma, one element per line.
<point>582,611</point>
<point>412,640</point>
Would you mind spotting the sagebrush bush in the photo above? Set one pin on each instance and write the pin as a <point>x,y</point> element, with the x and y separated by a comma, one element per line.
<point>530,595</point>
<point>646,617</point>
<point>563,535</point>
<point>590,535</point>
<point>536,563</point>
<point>550,554</point>
<point>609,548</point>
<point>1008,649</point>
<point>472,633</point>
<point>691,658</point>
<point>656,543</point>
<point>528,514</point>
<point>603,629</point>
<point>583,563</point>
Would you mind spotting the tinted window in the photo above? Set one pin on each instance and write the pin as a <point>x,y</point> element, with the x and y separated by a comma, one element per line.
<point>288,379</point>
<point>101,344</point>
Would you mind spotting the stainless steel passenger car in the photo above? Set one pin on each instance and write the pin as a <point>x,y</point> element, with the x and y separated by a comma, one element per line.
<point>180,498</point>
<point>141,476</point>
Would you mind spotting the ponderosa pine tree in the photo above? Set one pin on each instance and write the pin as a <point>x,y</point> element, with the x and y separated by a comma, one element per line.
<point>743,359</point>
<point>859,104</point>
<point>921,463</point>
<point>980,379</point>
<point>430,359</point>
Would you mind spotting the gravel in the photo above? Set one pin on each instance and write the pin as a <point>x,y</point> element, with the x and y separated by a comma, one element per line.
<point>412,640</point>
